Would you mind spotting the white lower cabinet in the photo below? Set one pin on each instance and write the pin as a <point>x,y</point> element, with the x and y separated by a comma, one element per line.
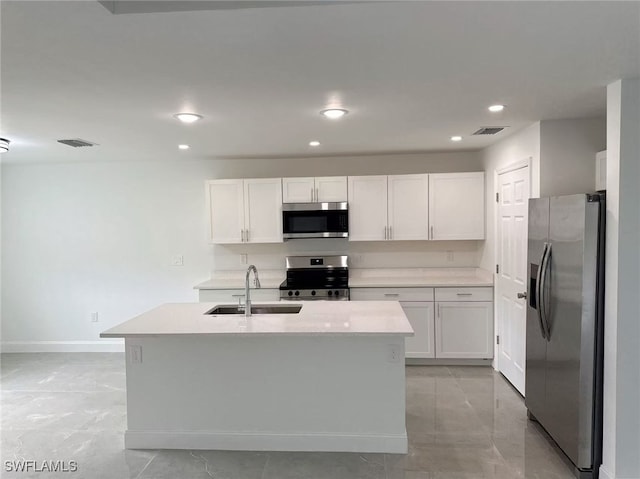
<point>231,296</point>
<point>464,329</point>
<point>457,325</point>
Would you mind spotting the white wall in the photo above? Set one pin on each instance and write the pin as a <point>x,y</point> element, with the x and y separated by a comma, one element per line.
<point>99,237</point>
<point>567,155</point>
<point>523,145</point>
<point>621,436</point>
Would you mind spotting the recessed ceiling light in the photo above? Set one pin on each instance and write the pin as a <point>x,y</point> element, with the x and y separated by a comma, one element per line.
<point>187,117</point>
<point>314,143</point>
<point>496,108</point>
<point>4,145</point>
<point>456,138</point>
<point>183,147</point>
<point>334,113</point>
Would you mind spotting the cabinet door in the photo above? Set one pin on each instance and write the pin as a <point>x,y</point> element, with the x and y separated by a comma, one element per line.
<point>298,190</point>
<point>408,207</point>
<point>464,329</point>
<point>367,208</point>
<point>456,206</point>
<point>331,189</point>
<point>233,296</point>
<point>263,210</point>
<point>226,210</point>
<point>420,315</point>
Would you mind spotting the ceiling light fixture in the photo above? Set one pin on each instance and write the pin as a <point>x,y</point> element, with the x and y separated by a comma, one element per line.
<point>4,145</point>
<point>183,147</point>
<point>334,113</point>
<point>496,108</point>
<point>456,138</point>
<point>314,143</point>
<point>188,117</point>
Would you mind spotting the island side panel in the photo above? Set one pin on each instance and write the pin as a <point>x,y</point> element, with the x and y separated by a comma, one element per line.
<point>309,393</point>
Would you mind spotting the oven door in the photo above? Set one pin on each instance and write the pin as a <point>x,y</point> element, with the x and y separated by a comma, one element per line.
<point>315,220</point>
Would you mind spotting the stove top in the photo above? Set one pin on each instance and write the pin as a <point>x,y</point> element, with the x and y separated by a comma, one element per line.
<point>316,277</point>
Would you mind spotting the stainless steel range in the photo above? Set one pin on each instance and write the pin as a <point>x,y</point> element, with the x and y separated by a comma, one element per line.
<point>316,277</point>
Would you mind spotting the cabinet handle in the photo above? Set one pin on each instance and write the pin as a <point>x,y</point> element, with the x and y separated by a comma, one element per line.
<point>392,294</point>
<point>438,310</point>
<point>432,232</point>
<point>246,235</point>
<point>385,232</point>
<point>242,236</point>
<point>390,232</point>
<point>317,195</point>
<point>312,196</point>
<point>464,294</point>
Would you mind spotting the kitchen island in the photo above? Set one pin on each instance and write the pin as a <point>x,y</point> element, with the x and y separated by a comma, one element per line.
<point>329,378</point>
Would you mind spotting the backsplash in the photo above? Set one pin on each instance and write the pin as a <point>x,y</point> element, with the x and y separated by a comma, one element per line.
<point>375,254</point>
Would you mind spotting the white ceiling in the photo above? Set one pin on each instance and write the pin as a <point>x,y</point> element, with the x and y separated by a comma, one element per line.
<point>411,73</point>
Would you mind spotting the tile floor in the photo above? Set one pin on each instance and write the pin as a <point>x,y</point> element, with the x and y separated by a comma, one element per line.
<point>462,422</point>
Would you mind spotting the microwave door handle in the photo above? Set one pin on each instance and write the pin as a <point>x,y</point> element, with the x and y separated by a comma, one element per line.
<point>538,296</point>
<point>543,295</point>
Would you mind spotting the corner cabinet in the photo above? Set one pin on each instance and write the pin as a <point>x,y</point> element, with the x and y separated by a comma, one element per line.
<point>245,211</point>
<point>456,206</point>
<point>322,189</point>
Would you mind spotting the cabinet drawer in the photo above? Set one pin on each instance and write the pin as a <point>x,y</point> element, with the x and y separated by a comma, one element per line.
<point>464,294</point>
<point>392,294</point>
<point>233,295</point>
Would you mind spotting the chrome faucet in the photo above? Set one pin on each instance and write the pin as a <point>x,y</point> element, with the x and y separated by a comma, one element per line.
<point>247,289</point>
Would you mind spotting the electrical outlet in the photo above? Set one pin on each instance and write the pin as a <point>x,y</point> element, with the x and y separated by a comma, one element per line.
<point>244,258</point>
<point>94,317</point>
<point>449,256</point>
<point>177,260</point>
<point>393,353</point>
<point>135,354</point>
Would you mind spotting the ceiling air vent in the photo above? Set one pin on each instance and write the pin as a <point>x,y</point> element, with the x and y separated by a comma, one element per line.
<point>489,130</point>
<point>76,142</point>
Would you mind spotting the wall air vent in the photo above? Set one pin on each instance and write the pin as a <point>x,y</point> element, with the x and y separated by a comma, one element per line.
<point>76,142</point>
<point>489,130</point>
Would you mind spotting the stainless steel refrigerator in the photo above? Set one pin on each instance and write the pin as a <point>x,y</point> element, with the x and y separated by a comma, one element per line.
<point>565,317</point>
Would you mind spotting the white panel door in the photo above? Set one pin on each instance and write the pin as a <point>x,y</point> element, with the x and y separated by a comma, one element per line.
<point>456,206</point>
<point>226,210</point>
<point>511,254</point>
<point>420,315</point>
<point>464,330</point>
<point>298,190</point>
<point>263,210</point>
<point>331,189</point>
<point>408,207</point>
<point>367,208</point>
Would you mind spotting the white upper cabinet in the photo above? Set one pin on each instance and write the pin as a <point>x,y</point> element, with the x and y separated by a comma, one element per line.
<point>456,206</point>
<point>245,211</point>
<point>408,207</point>
<point>601,170</point>
<point>331,189</point>
<point>313,190</point>
<point>367,208</point>
<point>226,210</point>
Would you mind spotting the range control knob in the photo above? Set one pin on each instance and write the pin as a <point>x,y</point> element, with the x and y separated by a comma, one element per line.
<point>290,293</point>
<point>337,293</point>
<point>313,293</point>
<point>330,293</point>
<point>297,293</point>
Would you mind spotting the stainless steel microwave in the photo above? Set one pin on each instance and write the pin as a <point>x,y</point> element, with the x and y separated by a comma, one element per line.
<point>315,220</point>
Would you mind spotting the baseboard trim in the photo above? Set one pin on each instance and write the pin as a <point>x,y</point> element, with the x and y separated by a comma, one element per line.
<point>446,362</point>
<point>604,474</point>
<point>234,441</point>
<point>103,346</point>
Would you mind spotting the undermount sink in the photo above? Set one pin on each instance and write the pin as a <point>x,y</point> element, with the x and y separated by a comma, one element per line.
<point>256,309</point>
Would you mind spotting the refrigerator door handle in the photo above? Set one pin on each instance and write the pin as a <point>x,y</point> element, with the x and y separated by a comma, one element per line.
<point>538,294</point>
<point>544,267</point>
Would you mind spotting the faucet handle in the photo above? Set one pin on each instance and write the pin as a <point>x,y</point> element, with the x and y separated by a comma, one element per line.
<point>239,296</point>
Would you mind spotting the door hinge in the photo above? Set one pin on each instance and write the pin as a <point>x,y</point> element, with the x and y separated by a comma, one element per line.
<point>497,268</point>
<point>497,197</point>
<point>498,339</point>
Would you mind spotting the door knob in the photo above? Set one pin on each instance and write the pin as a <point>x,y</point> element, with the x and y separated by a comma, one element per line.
<point>522,295</point>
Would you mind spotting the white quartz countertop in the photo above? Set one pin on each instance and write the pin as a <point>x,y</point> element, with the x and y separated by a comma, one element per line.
<point>316,318</point>
<point>366,278</point>
<point>418,277</point>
